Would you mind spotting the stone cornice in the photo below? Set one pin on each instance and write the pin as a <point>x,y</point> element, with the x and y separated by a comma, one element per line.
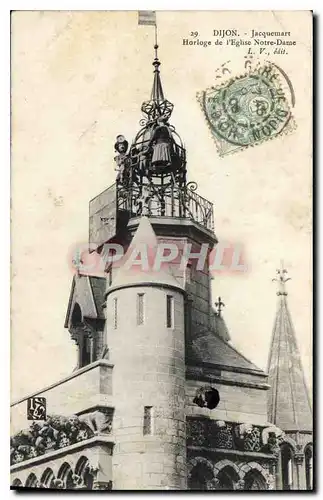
<point>223,451</point>
<point>216,379</point>
<point>181,227</point>
<point>210,366</point>
<point>99,362</point>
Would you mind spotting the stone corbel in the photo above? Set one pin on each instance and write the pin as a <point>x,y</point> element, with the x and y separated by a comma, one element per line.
<point>242,429</point>
<point>99,421</point>
<point>93,469</point>
<point>83,328</point>
<point>272,437</point>
<point>75,332</point>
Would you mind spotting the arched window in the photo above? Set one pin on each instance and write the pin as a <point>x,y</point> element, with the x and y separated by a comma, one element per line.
<point>47,478</point>
<point>309,467</point>
<point>86,350</point>
<point>82,469</point>
<point>31,481</point>
<point>199,477</point>
<point>65,473</point>
<point>287,466</point>
<point>85,338</point>
<point>254,481</point>
<point>16,483</point>
<point>227,478</point>
<point>76,315</point>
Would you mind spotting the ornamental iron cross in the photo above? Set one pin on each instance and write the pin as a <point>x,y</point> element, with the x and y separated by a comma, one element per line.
<point>219,304</point>
<point>281,279</point>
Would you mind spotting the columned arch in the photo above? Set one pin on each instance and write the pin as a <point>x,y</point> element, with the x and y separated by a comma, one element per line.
<point>290,441</point>
<point>16,482</point>
<point>287,466</point>
<point>65,473</point>
<point>308,452</point>
<point>32,481</point>
<point>83,479</point>
<point>200,474</point>
<point>226,463</point>
<point>255,477</point>
<point>227,478</point>
<point>254,480</point>
<point>198,460</point>
<point>47,478</point>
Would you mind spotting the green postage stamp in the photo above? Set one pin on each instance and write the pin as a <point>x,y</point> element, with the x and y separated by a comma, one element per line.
<point>247,110</point>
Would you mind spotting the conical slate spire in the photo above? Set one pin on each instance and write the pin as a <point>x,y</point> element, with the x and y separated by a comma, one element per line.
<point>288,400</point>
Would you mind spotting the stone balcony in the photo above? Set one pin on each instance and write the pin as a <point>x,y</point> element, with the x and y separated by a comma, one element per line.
<point>72,448</point>
<point>84,465</point>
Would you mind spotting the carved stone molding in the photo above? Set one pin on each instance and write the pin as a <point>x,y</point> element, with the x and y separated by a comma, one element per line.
<point>99,421</point>
<point>239,485</point>
<point>78,481</point>
<point>58,484</point>
<point>102,485</point>
<point>43,437</point>
<point>229,435</point>
<point>270,482</point>
<point>299,458</point>
<point>213,484</point>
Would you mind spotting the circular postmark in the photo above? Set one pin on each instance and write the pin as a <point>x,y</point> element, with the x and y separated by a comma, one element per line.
<point>248,109</point>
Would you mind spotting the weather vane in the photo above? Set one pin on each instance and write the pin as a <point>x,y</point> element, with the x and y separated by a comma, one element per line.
<point>281,279</point>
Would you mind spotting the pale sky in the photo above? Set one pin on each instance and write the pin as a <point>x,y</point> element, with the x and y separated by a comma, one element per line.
<point>78,80</point>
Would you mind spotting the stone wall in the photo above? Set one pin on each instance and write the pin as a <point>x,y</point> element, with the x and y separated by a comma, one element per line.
<point>85,388</point>
<point>238,403</point>
<point>149,371</point>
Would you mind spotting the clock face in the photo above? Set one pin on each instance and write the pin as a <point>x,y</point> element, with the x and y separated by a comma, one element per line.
<point>103,217</point>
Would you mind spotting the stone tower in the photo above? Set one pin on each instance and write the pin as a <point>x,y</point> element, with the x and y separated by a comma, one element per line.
<point>137,412</point>
<point>289,406</point>
<point>145,334</point>
<point>150,313</point>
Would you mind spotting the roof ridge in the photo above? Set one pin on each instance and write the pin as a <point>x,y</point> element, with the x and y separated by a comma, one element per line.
<point>240,354</point>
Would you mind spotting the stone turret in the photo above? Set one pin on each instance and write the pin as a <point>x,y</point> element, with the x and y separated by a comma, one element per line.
<point>145,334</point>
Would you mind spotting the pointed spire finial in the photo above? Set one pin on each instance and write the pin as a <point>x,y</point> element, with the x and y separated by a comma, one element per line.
<point>156,43</point>
<point>157,106</point>
<point>219,304</point>
<point>281,279</point>
<point>157,93</point>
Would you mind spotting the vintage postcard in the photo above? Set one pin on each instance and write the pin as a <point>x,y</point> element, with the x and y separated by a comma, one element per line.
<point>161,250</point>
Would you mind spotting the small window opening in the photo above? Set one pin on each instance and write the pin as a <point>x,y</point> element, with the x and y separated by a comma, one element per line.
<point>170,311</point>
<point>110,276</point>
<point>140,309</point>
<point>115,313</point>
<point>148,423</point>
<point>86,350</point>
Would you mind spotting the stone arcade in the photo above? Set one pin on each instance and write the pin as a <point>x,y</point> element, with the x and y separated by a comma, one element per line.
<point>148,342</point>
